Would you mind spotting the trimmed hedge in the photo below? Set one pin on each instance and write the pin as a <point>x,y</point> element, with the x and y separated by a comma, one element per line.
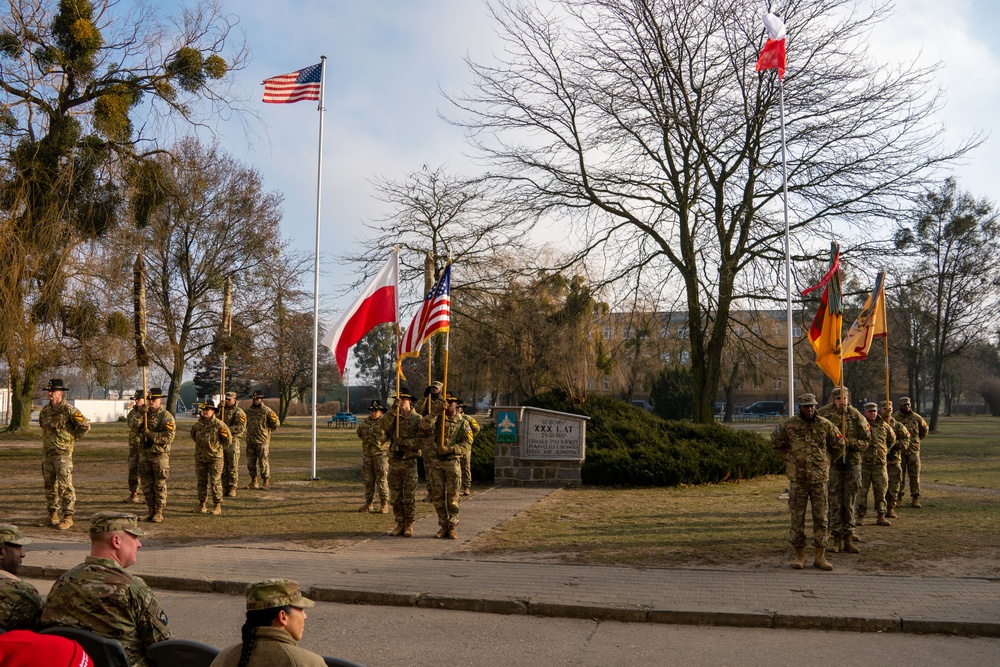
<point>629,446</point>
<point>483,448</point>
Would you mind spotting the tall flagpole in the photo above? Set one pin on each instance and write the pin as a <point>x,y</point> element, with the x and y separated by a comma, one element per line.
<point>319,197</point>
<point>788,257</point>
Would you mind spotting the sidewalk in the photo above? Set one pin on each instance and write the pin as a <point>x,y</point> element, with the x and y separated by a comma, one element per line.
<point>425,572</point>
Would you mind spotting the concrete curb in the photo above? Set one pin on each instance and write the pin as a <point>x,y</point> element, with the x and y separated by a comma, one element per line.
<point>510,606</point>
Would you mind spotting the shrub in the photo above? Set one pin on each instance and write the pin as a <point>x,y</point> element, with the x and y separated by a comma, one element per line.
<point>628,446</point>
<point>483,448</point>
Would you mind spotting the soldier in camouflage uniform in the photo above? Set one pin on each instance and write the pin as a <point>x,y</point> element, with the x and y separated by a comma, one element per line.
<point>61,425</point>
<point>157,434</point>
<point>467,455</point>
<point>874,475</point>
<point>100,596</point>
<point>404,449</point>
<point>845,470</point>
<point>374,459</point>
<point>134,444</point>
<point>20,603</point>
<point>452,437</point>
<point>428,405</point>
<point>235,419</point>
<point>892,464</point>
<point>808,443</point>
<point>211,437</point>
<point>261,421</point>
<point>918,429</point>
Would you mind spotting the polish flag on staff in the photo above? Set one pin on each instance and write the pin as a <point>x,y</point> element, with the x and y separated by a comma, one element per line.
<point>433,316</point>
<point>303,84</point>
<point>376,305</point>
<point>772,56</point>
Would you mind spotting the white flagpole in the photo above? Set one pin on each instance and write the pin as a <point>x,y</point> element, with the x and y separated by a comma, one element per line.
<point>319,196</point>
<point>788,257</point>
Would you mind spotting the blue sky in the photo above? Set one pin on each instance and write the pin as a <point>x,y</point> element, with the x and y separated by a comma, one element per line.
<point>389,59</point>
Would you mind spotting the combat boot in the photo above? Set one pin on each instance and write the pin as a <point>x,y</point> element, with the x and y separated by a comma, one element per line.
<point>54,518</point>
<point>397,531</point>
<point>408,529</point>
<point>849,547</point>
<point>466,491</point>
<point>367,507</point>
<point>800,558</point>
<point>440,534</point>
<point>266,484</point>
<point>882,521</point>
<point>231,493</point>
<point>201,509</point>
<point>217,510</point>
<point>252,484</point>
<point>820,561</point>
<point>150,513</point>
<point>132,498</point>
<point>66,523</point>
<point>385,508</point>
<point>835,547</point>
<point>915,502</point>
<point>889,511</point>
<point>451,534</point>
<point>157,516</point>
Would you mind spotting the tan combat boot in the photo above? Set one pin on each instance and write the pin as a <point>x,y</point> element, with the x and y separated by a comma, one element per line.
<point>217,510</point>
<point>157,516</point>
<point>849,545</point>
<point>800,558</point>
<point>397,531</point>
<point>889,511</point>
<point>451,534</point>
<point>835,547</point>
<point>231,493</point>
<point>252,484</point>
<point>820,561</point>
<point>132,498</point>
<point>150,513</point>
<point>367,507</point>
<point>440,534</point>
<point>201,509</point>
<point>385,508</point>
<point>466,491</point>
<point>408,529</point>
<point>66,523</point>
<point>266,484</point>
<point>882,521</point>
<point>915,502</point>
<point>54,518</point>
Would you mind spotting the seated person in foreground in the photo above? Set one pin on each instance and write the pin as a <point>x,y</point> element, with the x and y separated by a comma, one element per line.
<point>276,618</point>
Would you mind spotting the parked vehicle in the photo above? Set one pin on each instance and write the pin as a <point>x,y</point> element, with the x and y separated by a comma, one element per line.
<point>765,408</point>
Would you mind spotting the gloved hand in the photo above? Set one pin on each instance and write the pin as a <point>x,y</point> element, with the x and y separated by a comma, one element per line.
<point>428,391</point>
<point>146,433</point>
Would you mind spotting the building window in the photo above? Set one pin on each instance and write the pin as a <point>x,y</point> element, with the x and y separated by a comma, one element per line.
<point>607,384</point>
<point>591,384</point>
<point>628,333</point>
<point>666,357</point>
<point>682,332</point>
<point>685,357</point>
<point>665,331</point>
<point>796,332</point>
<point>777,384</point>
<point>607,333</point>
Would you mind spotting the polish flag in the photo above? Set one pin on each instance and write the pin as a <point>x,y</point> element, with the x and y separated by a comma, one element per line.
<point>376,305</point>
<point>772,56</point>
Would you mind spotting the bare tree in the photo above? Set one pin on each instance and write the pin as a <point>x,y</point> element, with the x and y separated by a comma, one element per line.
<point>643,124</point>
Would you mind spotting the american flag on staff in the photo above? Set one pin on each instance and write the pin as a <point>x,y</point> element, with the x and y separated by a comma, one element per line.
<point>303,84</point>
<point>433,316</point>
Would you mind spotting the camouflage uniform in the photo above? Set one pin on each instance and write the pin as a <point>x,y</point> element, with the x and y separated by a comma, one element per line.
<point>918,429</point>
<point>467,456</point>
<point>235,419</point>
<point>808,448</point>
<point>845,470</point>
<point>61,426</point>
<point>261,420</point>
<point>20,603</point>
<point>134,443</point>
<point>100,596</point>
<point>425,437</point>
<point>374,460</point>
<point>446,474</point>
<point>154,458</point>
<point>403,452</point>
<point>874,475</point>
<point>211,437</point>
<point>892,462</point>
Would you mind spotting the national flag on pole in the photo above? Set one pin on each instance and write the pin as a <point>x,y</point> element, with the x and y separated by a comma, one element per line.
<point>826,330</point>
<point>772,56</point>
<point>375,305</point>
<point>303,84</point>
<point>433,316</point>
<point>869,325</point>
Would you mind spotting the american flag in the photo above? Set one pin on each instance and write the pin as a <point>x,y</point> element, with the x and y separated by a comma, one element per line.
<point>434,315</point>
<point>294,86</point>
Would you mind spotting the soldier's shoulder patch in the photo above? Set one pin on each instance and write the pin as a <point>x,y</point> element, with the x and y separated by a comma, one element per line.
<point>170,426</point>
<point>225,430</point>
<point>242,417</point>
<point>78,416</point>
<point>162,617</point>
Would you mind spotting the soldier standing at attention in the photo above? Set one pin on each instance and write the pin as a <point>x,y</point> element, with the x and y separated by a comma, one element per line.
<point>261,420</point>
<point>808,443</point>
<point>157,432</point>
<point>210,437</point>
<point>453,430</point>
<point>134,444</point>
<point>404,449</point>
<point>918,429</point>
<point>61,425</point>
<point>873,467</point>
<point>374,459</point>
<point>467,455</point>
<point>428,405</point>
<point>236,420</point>
<point>20,603</point>
<point>100,596</point>
<point>845,470</point>
<point>893,468</point>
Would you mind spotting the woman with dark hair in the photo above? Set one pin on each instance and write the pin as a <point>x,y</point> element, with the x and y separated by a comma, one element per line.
<point>276,618</point>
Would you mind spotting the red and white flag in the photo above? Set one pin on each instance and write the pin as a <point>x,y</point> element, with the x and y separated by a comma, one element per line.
<point>376,305</point>
<point>772,56</point>
<point>303,84</point>
<point>433,316</point>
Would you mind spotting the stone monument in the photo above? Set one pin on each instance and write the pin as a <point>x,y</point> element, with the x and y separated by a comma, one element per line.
<point>536,447</point>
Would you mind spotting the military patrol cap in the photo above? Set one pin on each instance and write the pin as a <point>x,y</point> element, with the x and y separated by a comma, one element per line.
<point>208,405</point>
<point>437,384</point>
<point>108,522</point>
<point>271,593</point>
<point>9,534</point>
<point>376,406</point>
<point>231,394</point>
<point>155,392</point>
<point>871,406</point>
<point>258,394</point>
<point>885,404</point>
<point>807,399</point>
<point>905,400</point>
<point>56,384</point>
<point>836,392</point>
